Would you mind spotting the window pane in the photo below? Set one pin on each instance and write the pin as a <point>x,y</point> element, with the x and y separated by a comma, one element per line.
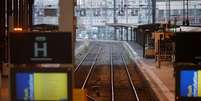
<point>45,12</point>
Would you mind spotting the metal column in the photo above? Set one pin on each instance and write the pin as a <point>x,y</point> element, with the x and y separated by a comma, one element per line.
<point>115,19</point>
<point>131,33</point>
<point>126,33</point>
<point>121,32</point>
<point>153,11</point>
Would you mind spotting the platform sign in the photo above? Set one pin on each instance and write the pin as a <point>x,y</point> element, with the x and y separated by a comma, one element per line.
<point>41,47</point>
<point>44,84</point>
<point>188,83</point>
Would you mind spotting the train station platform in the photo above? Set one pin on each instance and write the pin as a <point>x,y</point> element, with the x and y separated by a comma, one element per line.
<point>161,79</point>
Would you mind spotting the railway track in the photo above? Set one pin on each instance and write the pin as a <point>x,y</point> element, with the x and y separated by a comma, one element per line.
<point>143,89</point>
<point>121,82</point>
<point>82,73</point>
<point>116,80</point>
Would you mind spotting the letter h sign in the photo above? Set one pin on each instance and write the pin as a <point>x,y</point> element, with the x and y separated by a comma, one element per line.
<point>38,49</point>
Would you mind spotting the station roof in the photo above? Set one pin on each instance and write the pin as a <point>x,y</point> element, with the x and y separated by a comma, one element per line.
<point>121,25</point>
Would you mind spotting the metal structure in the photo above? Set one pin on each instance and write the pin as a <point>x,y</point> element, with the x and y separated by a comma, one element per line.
<point>93,15</point>
<point>179,12</point>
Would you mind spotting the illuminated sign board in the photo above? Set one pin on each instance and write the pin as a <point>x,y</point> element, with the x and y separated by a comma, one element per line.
<point>41,84</point>
<point>188,83</point>
<point>41,47</point>
<point>188,71</point>
<point>189,80</point>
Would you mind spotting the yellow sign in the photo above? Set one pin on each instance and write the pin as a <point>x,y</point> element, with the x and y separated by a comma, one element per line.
<point>50,86</point>
<point>199,83</point>
<point>79,95</point>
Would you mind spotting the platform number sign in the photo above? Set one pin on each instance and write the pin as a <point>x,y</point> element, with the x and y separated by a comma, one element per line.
<point>41,47</point>
<point>41,40</point>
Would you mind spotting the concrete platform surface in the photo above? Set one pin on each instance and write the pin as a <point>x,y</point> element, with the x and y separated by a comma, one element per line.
<point>161,79</point>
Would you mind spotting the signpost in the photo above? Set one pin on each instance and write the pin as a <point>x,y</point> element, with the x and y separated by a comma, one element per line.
<point>188,66</point>
<point>28,52</point>
<point>41,47</point>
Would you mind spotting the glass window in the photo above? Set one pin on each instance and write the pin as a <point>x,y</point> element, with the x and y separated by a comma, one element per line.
<point>134,12</point>
<point>46,12</point>
<point>121,12</point>
<point>191,12</point>
<point>82,12</point>
<point>175,12</point>
<point>198,11</point>
<point>161,13</point>
<point>181,12</point>
<point>97,12</point>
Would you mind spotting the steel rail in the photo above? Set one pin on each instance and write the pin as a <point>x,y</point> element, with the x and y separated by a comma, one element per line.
<point>91,68</point>
<point>92,98</point>
<point>111,75</point>
<point>129,76</point>
<point>77,67</point>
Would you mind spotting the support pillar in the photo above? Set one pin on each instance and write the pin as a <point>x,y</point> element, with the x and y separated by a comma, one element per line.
<point>126,33</point>
<point>66,18</point>
<point>134,34</point>
<point>115,33</point>
<point>121,32</point>
<point>131,33</point>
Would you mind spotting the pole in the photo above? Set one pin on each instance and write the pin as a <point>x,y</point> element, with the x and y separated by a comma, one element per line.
<point>195,14</point>
<point>115,20</point>
<point>153,11</point>
<point>187,21</point>
<point>184,20</point>
<point>169,12</point>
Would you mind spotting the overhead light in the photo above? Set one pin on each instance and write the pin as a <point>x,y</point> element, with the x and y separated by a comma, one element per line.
<point>17,29</point>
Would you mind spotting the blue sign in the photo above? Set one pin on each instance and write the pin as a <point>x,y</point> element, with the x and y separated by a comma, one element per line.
<point>24,86</point>
<point>189,83</point>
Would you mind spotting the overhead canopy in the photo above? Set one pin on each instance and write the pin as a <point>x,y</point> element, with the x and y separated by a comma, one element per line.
<point>121,25</point>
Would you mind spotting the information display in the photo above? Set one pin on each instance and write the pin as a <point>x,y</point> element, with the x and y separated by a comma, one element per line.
<point>45,85</point>
<point>190,83</point>
<point>41,47</point>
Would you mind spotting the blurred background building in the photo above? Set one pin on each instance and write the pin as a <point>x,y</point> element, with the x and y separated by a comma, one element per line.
<point>94,15</point>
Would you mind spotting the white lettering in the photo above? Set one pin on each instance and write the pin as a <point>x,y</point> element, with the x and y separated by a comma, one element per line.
<point>38,49</point>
